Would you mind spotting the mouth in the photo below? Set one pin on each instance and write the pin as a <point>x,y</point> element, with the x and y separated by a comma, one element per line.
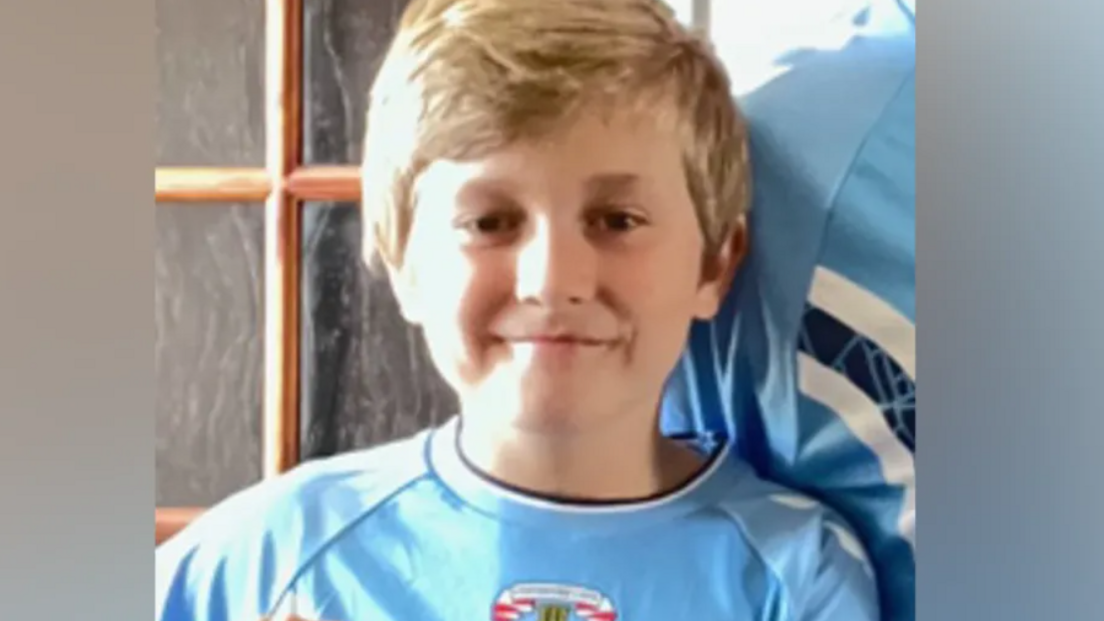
<point>557,340</point>
<point>561,339</point>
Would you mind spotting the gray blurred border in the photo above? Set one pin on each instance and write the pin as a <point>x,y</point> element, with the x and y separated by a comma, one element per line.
<point>76,331</point>
<point>1011,300</point>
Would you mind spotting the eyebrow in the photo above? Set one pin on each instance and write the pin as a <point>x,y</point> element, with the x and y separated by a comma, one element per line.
<point>478,190</point>
<point>610,183</point>
<point>500,191</point>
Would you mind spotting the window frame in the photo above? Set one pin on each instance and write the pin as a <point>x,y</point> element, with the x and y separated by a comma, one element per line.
<point>282,186</point>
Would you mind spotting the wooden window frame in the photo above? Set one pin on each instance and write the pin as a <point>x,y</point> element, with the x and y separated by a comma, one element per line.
<point>283,185</point>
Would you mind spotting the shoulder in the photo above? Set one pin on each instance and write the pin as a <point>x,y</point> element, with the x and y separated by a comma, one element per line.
<point>816,561</point>
<point>235,560</point>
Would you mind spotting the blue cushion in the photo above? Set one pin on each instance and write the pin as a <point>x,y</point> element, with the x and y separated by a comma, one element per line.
<point>811,365</point>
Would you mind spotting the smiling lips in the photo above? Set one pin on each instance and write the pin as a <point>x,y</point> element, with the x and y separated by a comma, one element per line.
<point>556,348</point>
<point>558,339</point>
<point>551,331</point>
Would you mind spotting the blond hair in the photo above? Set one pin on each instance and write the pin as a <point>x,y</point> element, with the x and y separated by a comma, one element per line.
<point>465,77</point>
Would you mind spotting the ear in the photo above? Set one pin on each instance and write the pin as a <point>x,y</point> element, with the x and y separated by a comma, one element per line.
<point>719,270</point>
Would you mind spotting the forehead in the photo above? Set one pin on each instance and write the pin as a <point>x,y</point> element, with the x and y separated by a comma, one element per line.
<point>594,154</point>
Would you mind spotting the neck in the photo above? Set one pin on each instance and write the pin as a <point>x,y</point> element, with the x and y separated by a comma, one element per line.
<point>620,461</point>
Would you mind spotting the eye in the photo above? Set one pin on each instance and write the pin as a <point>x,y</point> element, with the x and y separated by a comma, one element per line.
<point>616,221</point>
<point>490,225</point>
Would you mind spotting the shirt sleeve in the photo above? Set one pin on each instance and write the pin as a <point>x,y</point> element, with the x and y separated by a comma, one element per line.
<point>230,564</point>
<point>206,572</point>
<point>843,585</point>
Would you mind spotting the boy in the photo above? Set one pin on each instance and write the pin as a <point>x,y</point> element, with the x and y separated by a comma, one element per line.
<point>557,189</point>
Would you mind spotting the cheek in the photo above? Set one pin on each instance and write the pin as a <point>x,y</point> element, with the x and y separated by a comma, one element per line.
<point>462,297</point>
<point>660,284</point>
<point>662,295</point>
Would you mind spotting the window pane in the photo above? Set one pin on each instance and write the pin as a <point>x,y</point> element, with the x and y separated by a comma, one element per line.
<point>366,375</point>
<point>208,310</point>
<point>210,92</point>
<point>343,44</point>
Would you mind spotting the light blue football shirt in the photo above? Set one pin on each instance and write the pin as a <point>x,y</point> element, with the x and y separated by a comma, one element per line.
<point>410,532</point>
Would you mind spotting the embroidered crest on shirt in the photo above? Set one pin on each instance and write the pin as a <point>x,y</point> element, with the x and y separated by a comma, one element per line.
<point>552,602</point>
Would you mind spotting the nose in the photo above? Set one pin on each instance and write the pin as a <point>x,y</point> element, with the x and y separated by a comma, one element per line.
<point>556,265</point>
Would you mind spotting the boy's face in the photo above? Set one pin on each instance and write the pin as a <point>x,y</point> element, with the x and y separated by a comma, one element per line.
<point>556,280</point>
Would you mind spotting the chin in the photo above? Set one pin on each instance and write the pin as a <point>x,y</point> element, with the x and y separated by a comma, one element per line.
<point>550,414</point>
<point>557,414</point>
<point>538,402</point>
<point>551,419</point>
